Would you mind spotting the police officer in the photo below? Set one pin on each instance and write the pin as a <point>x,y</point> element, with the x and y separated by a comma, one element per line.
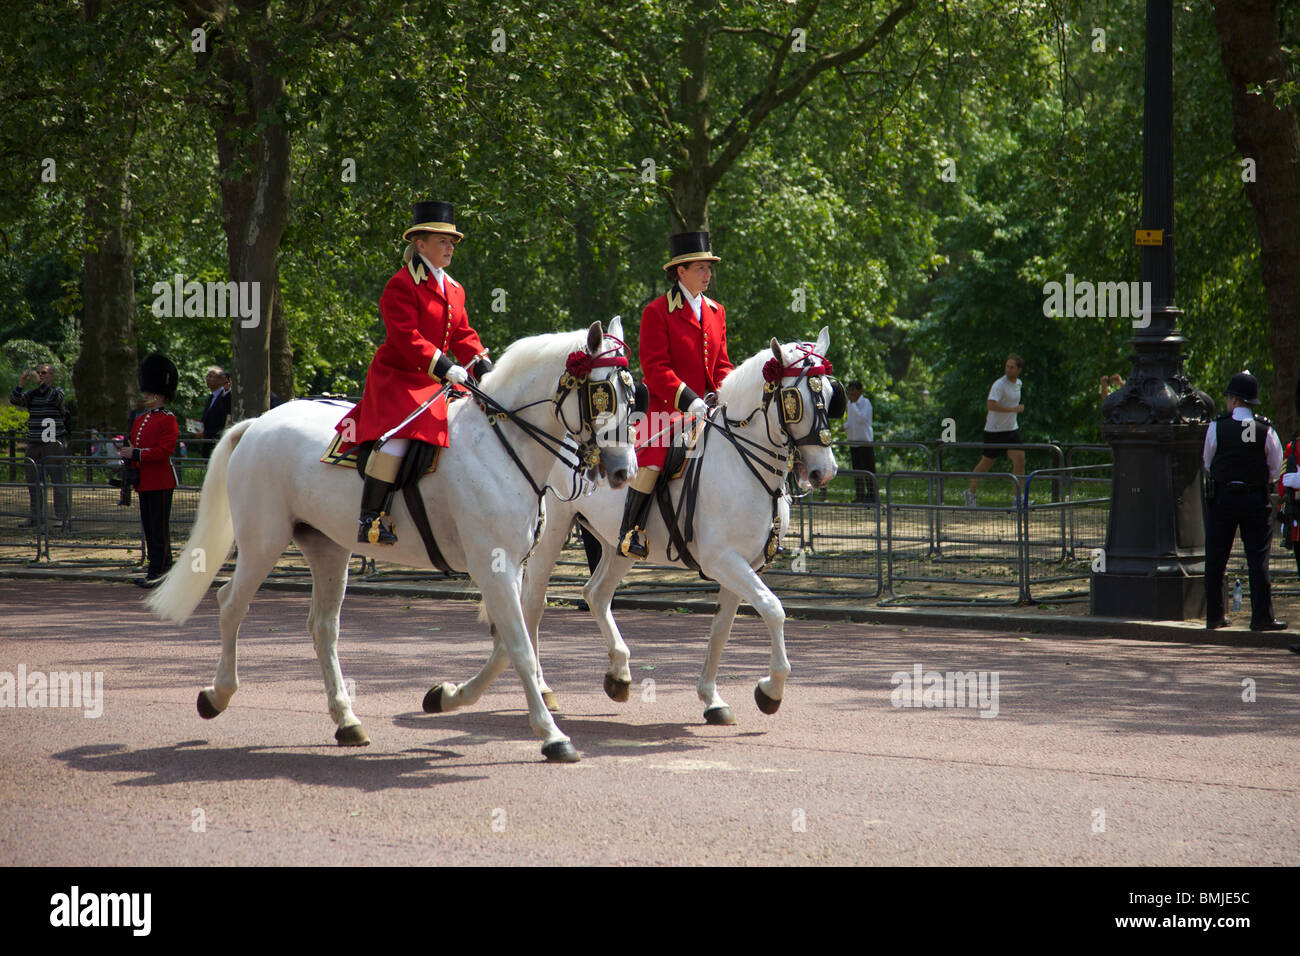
<point>429,342</point>
<point>682,346</point>
<point>1243,455</point>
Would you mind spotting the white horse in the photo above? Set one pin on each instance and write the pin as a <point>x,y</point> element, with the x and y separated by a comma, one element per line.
<point>734,523</point>
<point>483,509</point>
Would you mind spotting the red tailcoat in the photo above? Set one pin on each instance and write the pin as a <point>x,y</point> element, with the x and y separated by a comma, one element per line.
<point>154,435</point>
<point>682,358</point>
<point>421,325</point>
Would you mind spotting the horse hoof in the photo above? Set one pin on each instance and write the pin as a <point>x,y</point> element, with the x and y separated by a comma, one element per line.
<point>766,704</point>
<point>548,698</point>
<point>206,710</point>
<point>619,690</point>
<point>433,700</point>
<point>354,736</point>
<point>561,752</point>
<point>720,716</point>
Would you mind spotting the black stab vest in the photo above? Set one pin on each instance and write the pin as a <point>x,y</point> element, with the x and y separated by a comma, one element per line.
<point>1238,460</point>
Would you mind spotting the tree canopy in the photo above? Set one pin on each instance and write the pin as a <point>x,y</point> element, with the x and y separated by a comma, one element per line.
<point>912,175</point>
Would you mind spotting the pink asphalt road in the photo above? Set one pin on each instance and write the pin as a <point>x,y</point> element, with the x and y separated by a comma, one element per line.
<point>1101,751</point>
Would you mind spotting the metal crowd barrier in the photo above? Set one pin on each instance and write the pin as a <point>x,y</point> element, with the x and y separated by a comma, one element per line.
<point>1061,535</point>
<point>18,539</point>
<point>940,551</point>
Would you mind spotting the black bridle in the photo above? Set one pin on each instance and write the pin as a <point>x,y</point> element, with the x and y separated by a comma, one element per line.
<point>593,396</point>
<point>790,410</point>
<point>780,453</point>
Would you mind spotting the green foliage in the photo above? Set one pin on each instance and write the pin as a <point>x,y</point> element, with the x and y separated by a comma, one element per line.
<point>837,202</point>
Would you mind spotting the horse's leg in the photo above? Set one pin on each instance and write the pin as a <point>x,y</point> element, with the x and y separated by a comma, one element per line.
<point>329,579</point>
<point>537,576</point>
<point>448,696</point>
<point>733,573</point>
<point>502,600</point>
<point>599,592</point>
<point>256,559</point>
<point>716,710</point>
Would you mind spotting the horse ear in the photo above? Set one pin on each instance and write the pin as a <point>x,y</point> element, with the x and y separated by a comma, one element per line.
<point>776,350</point>
<point>616,327</point>
<point>823,340</point>
<point>595,335</point>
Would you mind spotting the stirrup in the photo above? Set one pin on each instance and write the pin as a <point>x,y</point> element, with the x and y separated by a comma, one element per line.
<point>633,544</point>
<point>376,528</point>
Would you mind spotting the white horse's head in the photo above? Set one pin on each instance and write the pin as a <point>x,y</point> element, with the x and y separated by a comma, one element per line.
<point>804,403</point>
<point>792,386</point>
<point>585,377</point>
<point>604,398</point>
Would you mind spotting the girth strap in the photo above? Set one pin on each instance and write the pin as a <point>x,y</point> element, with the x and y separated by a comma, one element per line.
<point>415,505</point>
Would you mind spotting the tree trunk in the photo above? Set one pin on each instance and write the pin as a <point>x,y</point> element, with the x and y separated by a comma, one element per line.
<point>691,186</point>
<point>1267,134</point>
<point>281,351</point>
<point>251,136</point>
<point>105,373</point>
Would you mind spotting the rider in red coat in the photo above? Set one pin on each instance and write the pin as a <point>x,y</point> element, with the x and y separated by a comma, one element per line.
<point>429,341</point>
<point>683,351</point>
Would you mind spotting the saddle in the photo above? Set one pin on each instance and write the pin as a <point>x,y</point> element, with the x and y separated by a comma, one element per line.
<point>420,459</point>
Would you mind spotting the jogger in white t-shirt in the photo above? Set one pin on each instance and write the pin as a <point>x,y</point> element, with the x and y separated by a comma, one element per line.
<point>1001,426</point>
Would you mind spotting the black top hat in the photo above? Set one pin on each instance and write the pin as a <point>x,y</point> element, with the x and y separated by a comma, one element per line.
<point>1245,387</point>
<point>437,217</point>
<point>158,375</point>
<point>689,247</point>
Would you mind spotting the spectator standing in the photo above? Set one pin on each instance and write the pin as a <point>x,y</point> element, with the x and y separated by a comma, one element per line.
<point>1001,425</point>
<point>857,428</point>
<point>47,433</point>
<point>217,412</point>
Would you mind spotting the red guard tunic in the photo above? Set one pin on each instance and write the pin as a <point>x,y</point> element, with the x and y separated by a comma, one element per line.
<point>682,358</point>
<point>421,325</point>
<point>153,436</point>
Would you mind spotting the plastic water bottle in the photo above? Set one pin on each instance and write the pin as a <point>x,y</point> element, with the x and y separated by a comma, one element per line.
<point>1236,595</point>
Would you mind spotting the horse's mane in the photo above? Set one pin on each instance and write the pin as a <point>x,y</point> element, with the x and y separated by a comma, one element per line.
<point>524,356</point>
<point>747,377</point>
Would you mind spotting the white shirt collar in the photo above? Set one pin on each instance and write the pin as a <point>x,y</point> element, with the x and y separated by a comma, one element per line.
<point>694,301</point>
<point>439,275</point>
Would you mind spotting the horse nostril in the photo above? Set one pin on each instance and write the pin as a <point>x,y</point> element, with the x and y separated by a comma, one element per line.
<point>815,477</point>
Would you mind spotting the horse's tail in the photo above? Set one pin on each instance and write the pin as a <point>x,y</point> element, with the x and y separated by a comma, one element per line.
<point>210,540</point>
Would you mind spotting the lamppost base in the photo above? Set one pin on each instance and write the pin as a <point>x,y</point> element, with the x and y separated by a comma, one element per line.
<point>1148,597</point>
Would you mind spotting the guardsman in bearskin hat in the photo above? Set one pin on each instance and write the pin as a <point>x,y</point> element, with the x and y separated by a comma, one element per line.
<point>1243,455</point>
<point>683,351</point>
<point>429,342</point>
<point>150,445</point>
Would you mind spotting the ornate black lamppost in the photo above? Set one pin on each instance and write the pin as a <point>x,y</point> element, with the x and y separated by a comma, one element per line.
<point>1155,540</point>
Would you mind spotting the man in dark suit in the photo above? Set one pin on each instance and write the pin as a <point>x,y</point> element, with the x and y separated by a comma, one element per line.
<point>218,408</point>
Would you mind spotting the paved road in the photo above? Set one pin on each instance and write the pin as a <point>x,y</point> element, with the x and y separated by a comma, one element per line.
<point>1101,752</point>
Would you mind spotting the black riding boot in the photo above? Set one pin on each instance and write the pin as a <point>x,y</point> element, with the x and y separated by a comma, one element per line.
<point>632,536</point>
<point>376,519</point>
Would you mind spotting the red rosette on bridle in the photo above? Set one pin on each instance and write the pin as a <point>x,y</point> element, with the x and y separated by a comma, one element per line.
<point>579,364</point>
<point>772,370</point>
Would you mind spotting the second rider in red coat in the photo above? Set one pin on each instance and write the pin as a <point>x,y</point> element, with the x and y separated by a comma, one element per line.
<point>683,351</point>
